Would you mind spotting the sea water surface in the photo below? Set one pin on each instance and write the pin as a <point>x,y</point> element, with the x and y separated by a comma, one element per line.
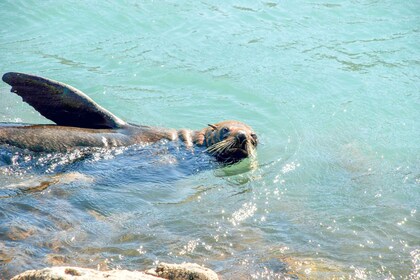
<point>331,88</point>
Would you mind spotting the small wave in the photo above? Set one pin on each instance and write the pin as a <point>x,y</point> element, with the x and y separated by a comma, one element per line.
<point>15,161</point>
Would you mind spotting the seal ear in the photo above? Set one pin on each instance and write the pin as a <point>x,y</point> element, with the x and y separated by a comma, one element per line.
<point>212,126</point>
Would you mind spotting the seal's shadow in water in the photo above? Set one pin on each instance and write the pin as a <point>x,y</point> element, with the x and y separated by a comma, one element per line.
<point>163,162</point>
<point>161,157</point>
<point>159,163</point>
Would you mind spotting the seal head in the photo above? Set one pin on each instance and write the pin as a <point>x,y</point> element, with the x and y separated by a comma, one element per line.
<point>230,141</point>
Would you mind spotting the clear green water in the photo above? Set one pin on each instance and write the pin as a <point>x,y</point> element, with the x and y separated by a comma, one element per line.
<point>332,88</point>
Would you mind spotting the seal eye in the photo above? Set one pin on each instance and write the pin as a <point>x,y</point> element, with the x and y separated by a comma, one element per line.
<point>224,132</point>
<point>255,138</point>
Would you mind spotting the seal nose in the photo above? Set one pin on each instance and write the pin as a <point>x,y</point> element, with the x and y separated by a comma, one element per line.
<point>241,136</point>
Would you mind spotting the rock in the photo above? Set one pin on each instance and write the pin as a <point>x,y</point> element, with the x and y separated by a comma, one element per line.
<point>76,273</point>
<point>187,271</point>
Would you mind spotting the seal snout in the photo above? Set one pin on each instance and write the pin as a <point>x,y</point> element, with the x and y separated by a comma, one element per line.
<point>241,137</point>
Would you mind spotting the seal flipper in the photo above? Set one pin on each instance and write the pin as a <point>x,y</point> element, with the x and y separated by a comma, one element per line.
<point>61,103</point>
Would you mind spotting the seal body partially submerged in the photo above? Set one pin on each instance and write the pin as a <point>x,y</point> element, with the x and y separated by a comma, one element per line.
<point>80,122</point>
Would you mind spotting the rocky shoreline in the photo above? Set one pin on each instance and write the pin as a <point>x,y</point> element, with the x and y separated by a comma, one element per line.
<point>185,271</point>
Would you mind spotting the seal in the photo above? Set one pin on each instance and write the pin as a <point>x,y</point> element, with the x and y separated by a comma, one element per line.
<point>80,122</point>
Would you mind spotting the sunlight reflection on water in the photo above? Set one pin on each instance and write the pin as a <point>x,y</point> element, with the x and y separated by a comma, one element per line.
<point>331,89</point>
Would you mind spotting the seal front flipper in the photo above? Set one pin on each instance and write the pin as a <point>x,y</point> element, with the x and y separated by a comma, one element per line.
<point>61,103</point>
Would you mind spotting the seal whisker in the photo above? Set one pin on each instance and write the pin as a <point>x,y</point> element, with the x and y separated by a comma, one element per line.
<point>212,148</point>
<point>216,149</point>
<point>250,149</point>
<point>216,146</point>
<point>220,147</point>
<point>228,145</point>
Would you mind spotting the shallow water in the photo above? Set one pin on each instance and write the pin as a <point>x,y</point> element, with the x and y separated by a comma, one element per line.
<point>332,89</point>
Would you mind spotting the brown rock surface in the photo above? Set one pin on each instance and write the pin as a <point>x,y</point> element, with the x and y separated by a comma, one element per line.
<point>187,271</point>
<point>76,273</point>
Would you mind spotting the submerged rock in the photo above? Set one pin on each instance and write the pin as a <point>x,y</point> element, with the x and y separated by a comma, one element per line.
<point>187,271</point>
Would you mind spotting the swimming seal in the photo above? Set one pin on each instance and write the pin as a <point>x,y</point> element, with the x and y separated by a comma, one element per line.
<point>80,122</point>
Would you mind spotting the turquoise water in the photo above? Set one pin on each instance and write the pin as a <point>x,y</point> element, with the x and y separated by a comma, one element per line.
<point>332,89</point>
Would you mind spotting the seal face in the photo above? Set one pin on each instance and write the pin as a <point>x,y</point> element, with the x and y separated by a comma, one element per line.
<point>230,141</point>
<point>80,122</point>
